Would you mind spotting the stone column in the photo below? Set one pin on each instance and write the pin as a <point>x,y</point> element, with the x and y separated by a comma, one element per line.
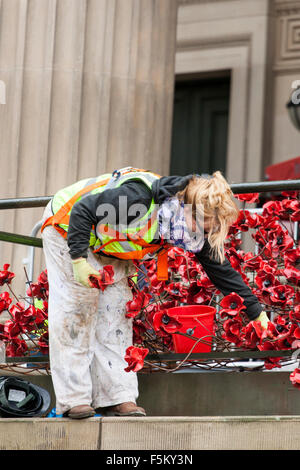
<point>127,88</point>
<point>89,89</point>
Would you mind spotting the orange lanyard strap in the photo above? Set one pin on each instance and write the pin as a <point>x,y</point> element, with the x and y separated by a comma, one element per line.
<point>162,256</point>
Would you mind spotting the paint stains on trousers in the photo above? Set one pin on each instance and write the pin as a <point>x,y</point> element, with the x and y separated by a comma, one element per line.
<point>88,330</point>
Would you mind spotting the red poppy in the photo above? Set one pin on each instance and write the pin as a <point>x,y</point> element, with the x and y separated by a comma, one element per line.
<point>43,343</point>
<point>105,278</point>
<point>285,339</point>
<point>292,256</point>
<point>177,290</point>
<point>265,280</point>
<point>162,320</point>
<point>233,331</point>
<point>261,237</point>
<point>281,295</point>
<point>294,314</point>
<point>5,301</point>
<point>12,329</point>
<point>241,222</point>
<point>295,217</point>
<point>254,220</point>
<point>293,275</point>
<point>235,258</point>
<point>232,305</point>
<point>295,378</point>
<point>267,345</point>
<point>283,240</point>
<point>252,334</point>
<point>282,321</point>
<point>176,258</point>
<point>139,328</point>
<point>270,332</point>
<point>184,274</point>
<point>204,281</point>
<point>2,332</point>
<point>272,362</point>
<point>200,297</point>
<point>272,208</point>
<point>291,194</point>
<point>139,302</point>
<point>148,267</point>
<point>269,266</point>
<point>232,242</point>
<point>27,319</point>
<point>16,348</point>
<point>296,344</point>
<point>135,358</point>
<point>6,276</point>
<point>290,209</point>
<point>297,333</point>
<point>270,222</point>
<point>43,277</point>
<point>45,309</point>
<point>252,262</point>
<point>250,197</point>
<point>279,242</point>
<point>156,285</point>
<point>39,289</point>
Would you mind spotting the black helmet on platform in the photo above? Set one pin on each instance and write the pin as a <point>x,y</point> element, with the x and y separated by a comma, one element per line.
<point>22,399</point>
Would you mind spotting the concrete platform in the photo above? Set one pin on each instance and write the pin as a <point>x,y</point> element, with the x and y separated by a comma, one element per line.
<point>152,433</point>
<point>209,394</point>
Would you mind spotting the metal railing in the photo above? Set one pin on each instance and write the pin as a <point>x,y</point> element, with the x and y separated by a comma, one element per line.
<point>35,242</point>
<point>31,202</point>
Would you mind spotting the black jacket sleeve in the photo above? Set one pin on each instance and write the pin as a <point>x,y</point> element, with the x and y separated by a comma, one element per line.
<point>85,214</point>
<point>228,280</point>
<point>93,208</point>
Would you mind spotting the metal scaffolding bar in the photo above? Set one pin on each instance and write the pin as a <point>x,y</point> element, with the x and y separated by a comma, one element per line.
<point>24,202</point>
<point>258,187</point>
<point>21,239</point>
<point>265,186</point>
<point>219,355</point>
<point>247,354</point>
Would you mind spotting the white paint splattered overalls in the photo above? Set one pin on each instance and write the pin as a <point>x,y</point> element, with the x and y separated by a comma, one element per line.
<point>88,330</point>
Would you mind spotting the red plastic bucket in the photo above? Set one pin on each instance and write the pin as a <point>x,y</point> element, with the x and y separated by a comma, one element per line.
<point>199,318</point>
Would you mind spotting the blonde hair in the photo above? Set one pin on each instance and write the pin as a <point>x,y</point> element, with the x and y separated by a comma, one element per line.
<point>215,197</point>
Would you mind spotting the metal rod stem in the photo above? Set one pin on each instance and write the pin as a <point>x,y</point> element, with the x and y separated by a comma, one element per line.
<point>21,239</point>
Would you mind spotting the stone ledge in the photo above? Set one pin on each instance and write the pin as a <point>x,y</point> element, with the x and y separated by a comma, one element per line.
<point>152,433</point>
<point>201,433</point>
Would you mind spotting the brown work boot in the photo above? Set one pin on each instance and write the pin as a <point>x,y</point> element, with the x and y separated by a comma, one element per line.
<point>80,411</point>
<point>128,408</point>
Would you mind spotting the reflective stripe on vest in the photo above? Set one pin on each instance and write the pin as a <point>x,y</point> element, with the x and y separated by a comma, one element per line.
<point>133,242</point>
<point>64,199</point>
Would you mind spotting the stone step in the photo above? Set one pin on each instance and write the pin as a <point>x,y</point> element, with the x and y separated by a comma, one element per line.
<point>152,433</point>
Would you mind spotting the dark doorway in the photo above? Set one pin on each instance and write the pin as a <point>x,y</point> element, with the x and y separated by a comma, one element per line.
<point>200,126</point>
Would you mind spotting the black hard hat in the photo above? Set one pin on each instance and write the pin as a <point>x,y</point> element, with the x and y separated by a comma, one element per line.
<point>22,399</point>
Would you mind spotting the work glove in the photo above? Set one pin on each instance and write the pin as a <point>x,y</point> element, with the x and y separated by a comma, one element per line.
<point>263,319</point>
<point>82,270</point>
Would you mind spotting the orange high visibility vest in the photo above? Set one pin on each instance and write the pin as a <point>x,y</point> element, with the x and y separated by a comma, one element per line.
<point>62,217</point>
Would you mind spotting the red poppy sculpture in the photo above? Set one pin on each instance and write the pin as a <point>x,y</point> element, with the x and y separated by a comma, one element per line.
<point>272,272</point>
